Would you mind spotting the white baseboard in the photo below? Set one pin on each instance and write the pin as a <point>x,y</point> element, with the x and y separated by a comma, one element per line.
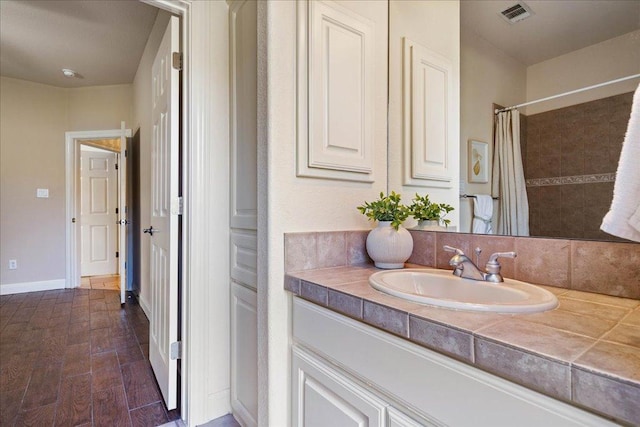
<point>145,306</point>
<point>19,288</point>
<point>242,414</point>
<point>217,405</point>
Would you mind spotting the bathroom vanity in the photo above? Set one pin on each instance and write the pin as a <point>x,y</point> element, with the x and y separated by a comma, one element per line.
<point>361,357</point>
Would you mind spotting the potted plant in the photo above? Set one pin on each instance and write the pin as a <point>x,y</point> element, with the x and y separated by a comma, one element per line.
<point>389,244</point>
<point>430,215</point>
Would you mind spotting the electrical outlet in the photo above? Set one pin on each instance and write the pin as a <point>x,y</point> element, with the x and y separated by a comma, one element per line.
<point>13,264</point>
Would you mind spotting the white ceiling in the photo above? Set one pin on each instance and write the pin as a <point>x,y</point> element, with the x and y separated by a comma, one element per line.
<point>102,41</point>
<point>556,28</point>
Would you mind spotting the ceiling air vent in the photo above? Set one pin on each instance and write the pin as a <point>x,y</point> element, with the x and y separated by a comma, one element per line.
<point>517,12</point>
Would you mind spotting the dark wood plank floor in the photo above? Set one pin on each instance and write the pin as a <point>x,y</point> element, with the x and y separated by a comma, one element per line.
<point>76,358</point>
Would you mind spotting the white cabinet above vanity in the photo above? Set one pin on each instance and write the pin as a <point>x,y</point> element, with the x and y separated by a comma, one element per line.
<point>347,373</point>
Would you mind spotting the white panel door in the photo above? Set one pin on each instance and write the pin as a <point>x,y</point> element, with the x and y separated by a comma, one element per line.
<point>122,211</point>
<point>99,200</point>
<point>163,325</point>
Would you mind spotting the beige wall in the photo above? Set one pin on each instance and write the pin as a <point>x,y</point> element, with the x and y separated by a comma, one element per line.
<point>434,25</point>
<point>487,76</point>
<point>609,60</point>
<point>141,119</point>
<point>34,120</point>
<point>100,107</point>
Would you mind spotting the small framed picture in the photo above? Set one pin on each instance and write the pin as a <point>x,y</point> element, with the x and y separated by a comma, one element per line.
<point>478,161</point>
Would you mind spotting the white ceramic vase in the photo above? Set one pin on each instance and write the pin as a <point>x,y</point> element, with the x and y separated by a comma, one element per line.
<point>389,248</point>
<point>429,225</point>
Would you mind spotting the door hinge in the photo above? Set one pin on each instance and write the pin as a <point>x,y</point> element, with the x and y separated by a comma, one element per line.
<point>177,61</point>
<point>176,350</point>
<point>177,206</point>
<point>125,153</point>
<point>117,254</point>
<point>116,166</point>
<point>116,210</point>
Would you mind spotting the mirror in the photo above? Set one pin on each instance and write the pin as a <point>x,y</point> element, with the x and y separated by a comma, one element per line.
<point>570,145</point>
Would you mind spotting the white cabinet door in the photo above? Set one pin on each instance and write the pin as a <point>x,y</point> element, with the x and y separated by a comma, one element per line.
<point>322,396</point>
<point>244,351</point>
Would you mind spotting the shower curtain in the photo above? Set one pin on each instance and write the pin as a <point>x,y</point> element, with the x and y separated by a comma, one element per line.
<point>508,176</point>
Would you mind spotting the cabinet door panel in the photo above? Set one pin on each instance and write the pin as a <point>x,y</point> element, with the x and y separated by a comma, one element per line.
<point>322,396</point>
<point>397,418</point>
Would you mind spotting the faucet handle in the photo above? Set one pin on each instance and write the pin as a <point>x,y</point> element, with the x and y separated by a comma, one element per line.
<point>452,249</point>
<point>493,266</point>
<point>494,257</point>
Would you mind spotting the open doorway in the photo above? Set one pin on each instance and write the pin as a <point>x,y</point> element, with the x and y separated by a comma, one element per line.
<point>98,217</point>
<point>96,187</point>
<point>205,153</point>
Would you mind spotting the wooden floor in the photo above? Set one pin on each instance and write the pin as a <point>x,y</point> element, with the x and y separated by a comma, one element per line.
<point>76,358</point>
<point>109,281</point>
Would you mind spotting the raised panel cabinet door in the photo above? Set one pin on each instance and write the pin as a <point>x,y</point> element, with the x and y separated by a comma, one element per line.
<point>244,350</point>
<point>323,396</point>
<point>428,101</point>
<point>163,324</point>
<point>340,102</point>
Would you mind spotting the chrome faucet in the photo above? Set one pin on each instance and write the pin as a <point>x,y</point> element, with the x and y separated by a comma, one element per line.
<point>466,269</point>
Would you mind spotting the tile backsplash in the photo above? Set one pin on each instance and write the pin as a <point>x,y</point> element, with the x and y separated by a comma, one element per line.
<point>609,268</point>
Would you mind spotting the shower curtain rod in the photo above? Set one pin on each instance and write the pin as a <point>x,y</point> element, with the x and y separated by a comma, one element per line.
<point>548,98</point>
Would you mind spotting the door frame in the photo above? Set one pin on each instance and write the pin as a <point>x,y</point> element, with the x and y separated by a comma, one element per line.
<point>205,277</point>
<point>73,140</point>
<point>205,301</point>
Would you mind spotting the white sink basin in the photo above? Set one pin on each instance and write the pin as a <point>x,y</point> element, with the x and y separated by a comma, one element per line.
<point>441,288</point>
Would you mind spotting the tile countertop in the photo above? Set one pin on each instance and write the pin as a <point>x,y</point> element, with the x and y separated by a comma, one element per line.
<point>585,352</point>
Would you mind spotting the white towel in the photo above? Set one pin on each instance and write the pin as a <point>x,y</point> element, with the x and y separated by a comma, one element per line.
<point>482,214</point>
<point>623,218</point>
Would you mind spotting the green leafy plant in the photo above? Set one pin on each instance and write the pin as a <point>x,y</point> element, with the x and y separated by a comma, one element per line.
<point>386,208</point>
<point>423,209</point>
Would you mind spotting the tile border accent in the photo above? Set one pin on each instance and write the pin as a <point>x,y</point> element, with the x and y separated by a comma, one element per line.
<point>575,179</point>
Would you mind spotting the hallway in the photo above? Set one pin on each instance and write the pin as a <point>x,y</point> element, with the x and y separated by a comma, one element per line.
<point>73,357</point>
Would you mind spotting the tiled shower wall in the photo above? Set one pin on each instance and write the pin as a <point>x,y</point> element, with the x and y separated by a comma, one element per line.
<point>570,161</point>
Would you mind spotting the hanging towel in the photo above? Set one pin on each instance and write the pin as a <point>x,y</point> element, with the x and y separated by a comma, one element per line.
<point>623,218</point>
<point>482,214</point>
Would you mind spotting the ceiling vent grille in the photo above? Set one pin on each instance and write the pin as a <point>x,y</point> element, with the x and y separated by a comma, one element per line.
<point>516,13</point>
